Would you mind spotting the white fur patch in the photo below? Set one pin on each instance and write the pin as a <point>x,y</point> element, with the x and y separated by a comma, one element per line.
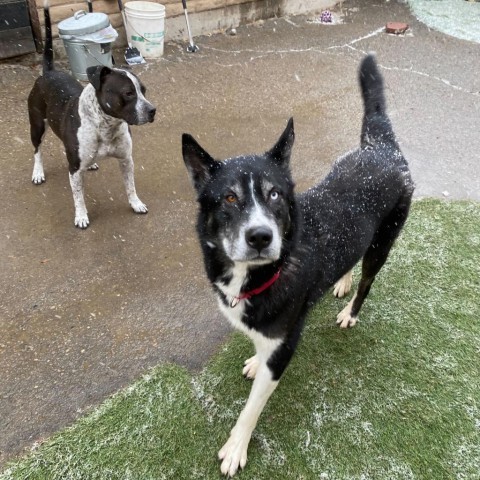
<point>38,175</point>
<point>345,318</point>
<point>99,135</point>
<point>237,247</point>
<point>343,286</point>
<point>76,183</point>
<point>234,453</point>
<point>250,367</point>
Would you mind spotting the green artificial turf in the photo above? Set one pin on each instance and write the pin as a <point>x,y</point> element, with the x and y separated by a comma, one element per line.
<point>396,397</point>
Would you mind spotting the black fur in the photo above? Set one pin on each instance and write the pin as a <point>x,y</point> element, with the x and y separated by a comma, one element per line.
<point>356,212</point>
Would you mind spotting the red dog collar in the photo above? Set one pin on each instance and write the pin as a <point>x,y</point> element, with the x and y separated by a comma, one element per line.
<point>255,291</point>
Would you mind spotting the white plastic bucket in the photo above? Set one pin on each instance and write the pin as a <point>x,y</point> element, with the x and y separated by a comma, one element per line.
<point>145,26</point>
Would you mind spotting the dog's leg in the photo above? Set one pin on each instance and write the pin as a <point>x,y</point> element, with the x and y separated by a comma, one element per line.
<point>234,453</point>
<point>126,166</point>
<point>373,261</point>
<point>38,130</point>
<point>81,215</point>
<point>269,363</point>
<point>343,286</point>
<point>37,114</point>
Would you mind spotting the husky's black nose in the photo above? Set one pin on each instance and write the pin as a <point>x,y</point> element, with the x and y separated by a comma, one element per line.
<point>259,237</point>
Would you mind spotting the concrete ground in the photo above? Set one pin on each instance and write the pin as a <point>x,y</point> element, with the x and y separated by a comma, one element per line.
<point>85,313</point>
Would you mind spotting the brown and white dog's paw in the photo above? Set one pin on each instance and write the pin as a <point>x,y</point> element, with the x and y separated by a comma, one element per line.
<point>138,206</point>
<point>38,175</point>
<point>82,221</point>
<point>38,178</point>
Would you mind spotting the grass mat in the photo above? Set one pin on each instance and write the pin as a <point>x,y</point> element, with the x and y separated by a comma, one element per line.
<point>396,397</point>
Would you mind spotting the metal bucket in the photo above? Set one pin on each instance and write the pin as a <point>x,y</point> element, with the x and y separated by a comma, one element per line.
<point>87,40</point>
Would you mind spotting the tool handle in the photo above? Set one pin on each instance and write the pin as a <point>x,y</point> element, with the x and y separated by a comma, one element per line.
<point>120,5</point>
<point>184,3</point>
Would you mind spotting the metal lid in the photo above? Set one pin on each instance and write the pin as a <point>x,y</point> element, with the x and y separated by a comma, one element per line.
<point>82,23</point>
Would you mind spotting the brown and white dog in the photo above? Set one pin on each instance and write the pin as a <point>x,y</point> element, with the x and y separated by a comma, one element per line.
<point>92,122</point>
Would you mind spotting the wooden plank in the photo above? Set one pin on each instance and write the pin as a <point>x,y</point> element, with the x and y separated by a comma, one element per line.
<point>15,42</point>
<point>173,8</point>
<point>109,7</point>
<point>197,6</point>
<point>35,24</point>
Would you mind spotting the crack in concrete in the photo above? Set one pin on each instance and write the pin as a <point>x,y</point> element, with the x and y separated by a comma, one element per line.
<point>369,35</point>
<point>349,45</point>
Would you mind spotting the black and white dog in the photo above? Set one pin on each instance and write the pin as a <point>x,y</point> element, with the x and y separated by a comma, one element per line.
<point>271,254</point>
<point>92,122</point>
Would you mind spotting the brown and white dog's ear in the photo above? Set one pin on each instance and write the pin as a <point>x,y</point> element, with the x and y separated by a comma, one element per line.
<point>282,150</point>
<point>97,74</point>
<point>199,163</point>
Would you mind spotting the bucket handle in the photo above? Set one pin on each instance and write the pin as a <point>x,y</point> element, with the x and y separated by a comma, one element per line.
<point>88,52</point>
<point>124,15</point>
<point>79,14</point>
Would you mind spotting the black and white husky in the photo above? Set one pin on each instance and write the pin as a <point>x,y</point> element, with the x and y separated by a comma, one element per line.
<point>271,254</point>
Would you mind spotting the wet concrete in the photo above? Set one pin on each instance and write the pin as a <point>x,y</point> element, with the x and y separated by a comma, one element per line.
<point>84,313</point>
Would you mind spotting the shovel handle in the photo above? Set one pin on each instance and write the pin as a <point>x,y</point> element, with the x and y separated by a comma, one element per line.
<point>120,5</point>
<point>184,3</point>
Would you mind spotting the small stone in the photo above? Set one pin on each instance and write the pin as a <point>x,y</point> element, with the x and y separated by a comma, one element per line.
<point>396,27</point>
<point>232,31</point>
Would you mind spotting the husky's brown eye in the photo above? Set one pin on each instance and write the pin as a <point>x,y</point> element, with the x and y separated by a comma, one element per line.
<point>130,93</point>
<point>231,198</point>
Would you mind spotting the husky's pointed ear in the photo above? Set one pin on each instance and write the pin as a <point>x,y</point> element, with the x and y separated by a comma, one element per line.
<point>199,163</point>
<point>282,150</point>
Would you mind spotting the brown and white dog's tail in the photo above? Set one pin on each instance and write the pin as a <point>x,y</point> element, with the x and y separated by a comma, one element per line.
<point>48,50</point>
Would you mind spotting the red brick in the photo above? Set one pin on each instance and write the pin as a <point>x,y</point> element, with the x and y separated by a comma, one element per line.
<point>396,27</point>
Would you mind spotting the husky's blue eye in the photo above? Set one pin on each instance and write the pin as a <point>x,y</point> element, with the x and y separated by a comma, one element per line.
<point>274,195</point>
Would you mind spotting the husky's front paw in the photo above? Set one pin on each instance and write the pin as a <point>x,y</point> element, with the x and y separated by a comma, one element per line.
<point>234,453</point>
<point>138,206</point>
<point>345,318</point>
<point>343,286</point>
<point>251,366</point>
